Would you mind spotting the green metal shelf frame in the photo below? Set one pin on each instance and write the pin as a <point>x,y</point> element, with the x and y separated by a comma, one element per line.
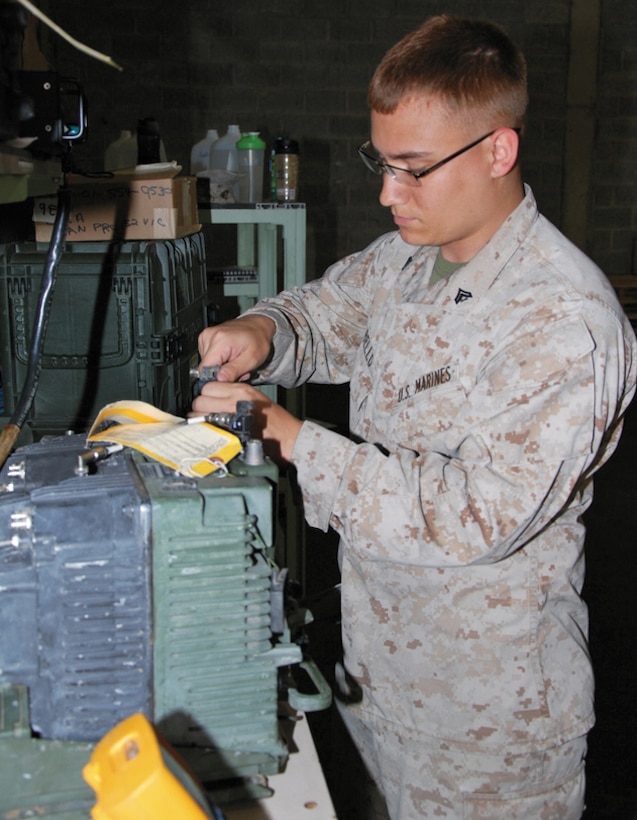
<point>257,247</point>
<point>262,254</point>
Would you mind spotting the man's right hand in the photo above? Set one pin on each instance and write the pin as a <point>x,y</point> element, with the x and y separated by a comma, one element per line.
<point>239,346</point>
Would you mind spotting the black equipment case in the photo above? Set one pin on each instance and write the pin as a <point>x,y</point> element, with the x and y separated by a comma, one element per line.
<point>124,323</point>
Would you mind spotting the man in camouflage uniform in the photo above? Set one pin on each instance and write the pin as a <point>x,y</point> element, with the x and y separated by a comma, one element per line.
<point>489,365</point>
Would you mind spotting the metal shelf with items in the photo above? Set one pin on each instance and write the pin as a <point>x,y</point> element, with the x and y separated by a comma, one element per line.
<point>259,226</point>
<point>270,256</point>
<point>257,245</point>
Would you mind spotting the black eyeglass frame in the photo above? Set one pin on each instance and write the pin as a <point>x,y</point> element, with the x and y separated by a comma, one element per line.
<point>377,166</point>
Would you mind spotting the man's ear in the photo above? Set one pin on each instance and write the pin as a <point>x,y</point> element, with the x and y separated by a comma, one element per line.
<point>506,148</point>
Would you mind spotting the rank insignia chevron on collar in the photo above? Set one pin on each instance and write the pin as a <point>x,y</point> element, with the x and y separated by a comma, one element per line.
<point>462,296</point>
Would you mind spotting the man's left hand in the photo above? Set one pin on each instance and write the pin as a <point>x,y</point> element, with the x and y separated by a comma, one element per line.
<point>278,428</point>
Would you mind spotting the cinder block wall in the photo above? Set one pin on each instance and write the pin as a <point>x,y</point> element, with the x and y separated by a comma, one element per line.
<point>613,215</point>
<point>301,68</point>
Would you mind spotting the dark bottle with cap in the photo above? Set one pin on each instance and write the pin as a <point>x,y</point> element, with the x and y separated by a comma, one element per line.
<point>148,141</point>
<point>286,169</point>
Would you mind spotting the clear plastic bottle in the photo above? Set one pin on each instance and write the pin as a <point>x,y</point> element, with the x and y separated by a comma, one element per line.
<point>200,153</point>
<point>250,153</point>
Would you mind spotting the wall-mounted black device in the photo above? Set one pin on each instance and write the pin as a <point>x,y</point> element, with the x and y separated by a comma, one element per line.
<point>52,109</point>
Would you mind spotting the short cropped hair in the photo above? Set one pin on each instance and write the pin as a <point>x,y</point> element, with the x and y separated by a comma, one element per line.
<point>470,65</point>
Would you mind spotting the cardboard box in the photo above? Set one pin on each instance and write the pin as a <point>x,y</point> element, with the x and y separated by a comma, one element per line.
<point>124,208</point>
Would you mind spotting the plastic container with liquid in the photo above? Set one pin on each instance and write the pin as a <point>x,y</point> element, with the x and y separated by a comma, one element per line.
<point>286,169</point>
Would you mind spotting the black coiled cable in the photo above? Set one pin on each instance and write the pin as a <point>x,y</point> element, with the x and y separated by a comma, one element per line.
<point>36,347</point>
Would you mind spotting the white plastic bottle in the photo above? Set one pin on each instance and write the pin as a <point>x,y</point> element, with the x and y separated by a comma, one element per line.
<point>224,155</point>
<point>112,153</point>
<point>200,153</point>
<point>127,153</point>
<point>223,152</point>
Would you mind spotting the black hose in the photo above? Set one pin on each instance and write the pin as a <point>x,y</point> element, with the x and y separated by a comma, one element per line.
<point>36,347</point>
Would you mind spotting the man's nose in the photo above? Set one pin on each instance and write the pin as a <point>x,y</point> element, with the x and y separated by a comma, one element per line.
<point>392,192</point>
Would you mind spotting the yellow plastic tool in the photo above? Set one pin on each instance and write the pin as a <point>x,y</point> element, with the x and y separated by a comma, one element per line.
<point>136,775</point>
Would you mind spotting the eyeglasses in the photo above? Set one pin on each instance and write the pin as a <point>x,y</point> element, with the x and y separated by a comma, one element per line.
<point>403,175</point>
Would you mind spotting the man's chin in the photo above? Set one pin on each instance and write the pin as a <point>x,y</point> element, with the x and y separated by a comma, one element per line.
<point>411,237</point>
